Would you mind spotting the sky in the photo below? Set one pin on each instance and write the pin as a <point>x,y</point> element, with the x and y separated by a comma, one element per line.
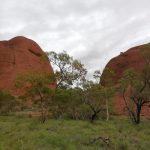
<point>92,31</point>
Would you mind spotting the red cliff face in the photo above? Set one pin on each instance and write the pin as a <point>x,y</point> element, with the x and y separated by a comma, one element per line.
<point>20,55</point>
<point>132,58</point>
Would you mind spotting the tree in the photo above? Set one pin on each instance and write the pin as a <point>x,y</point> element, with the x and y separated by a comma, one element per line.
<point>107,94</point>
<point>107,91</point>
<point>135,89</point>
<point>68,70</point>
<point>36,87</point>
<point>68,103</point>
<point>107,77</point>
<point>93,98</point>
<point>98,98</point>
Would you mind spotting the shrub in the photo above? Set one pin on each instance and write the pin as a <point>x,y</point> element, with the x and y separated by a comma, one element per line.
<point>7,103</point>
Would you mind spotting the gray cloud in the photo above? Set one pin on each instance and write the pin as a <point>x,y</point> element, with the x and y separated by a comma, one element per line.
<point>93,31</point>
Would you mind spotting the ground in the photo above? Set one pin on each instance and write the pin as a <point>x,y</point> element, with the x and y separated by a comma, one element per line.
<point>20,133</point>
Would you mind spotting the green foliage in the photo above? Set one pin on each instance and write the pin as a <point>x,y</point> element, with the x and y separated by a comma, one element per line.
<point>44,57</point>
<point>25,133</point>
<point>135,88</point>
<point>34,79</point>
<point>77,103</point>
<point>107,77</point>
<point>98,98</point>
<point>122,145</point>
<point>7,102</point>
<point>68,71</point>
<point>36,86</point>
<point>68,103</point>
<point>90,102</point>
<point>97,75</point>
<point>94,95</point>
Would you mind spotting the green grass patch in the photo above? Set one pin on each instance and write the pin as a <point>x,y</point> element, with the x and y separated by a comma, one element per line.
<point>29,134</point>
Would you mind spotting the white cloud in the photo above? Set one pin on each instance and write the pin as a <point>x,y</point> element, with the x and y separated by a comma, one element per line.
<point>93,31</point>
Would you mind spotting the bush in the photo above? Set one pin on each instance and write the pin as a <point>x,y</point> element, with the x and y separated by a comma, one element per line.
<point>7,103</point>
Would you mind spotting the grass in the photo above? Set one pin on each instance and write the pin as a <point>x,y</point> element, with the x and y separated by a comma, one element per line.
<point>20,133</point>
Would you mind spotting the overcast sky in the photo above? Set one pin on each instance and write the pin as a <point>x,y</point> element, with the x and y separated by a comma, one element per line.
<point>93,31</point>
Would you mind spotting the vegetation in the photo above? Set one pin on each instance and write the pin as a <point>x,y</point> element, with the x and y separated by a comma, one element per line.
<point>78,111</point>
<point>93,98</point>
<point>25,133</point>
<point>135,88</point>
<point>8,103</point>
<point>89,101</point>
<point>99,99</point>
<point>67,103</point>
<point>37,90</point>
<point>68,71</point>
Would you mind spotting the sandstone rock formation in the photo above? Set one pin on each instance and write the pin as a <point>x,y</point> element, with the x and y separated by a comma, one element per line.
<point>20,55</point>
<point>132,58</point>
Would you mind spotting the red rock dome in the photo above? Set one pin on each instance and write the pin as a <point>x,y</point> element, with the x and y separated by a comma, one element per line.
<point>20,55</point>
<point>132,58</point>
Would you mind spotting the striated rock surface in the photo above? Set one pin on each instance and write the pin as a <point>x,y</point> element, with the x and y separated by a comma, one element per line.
<point>132,58</point>
<point>20,55</point>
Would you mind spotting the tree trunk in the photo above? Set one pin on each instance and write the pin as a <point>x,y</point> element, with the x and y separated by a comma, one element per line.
<point>138,118</point>
<point>43,115</point>
<point>107,110</point>
<point>93,116</point>
<point>107,107</point>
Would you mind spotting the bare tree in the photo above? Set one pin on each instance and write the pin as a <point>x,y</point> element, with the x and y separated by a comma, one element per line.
<point>135,88</point>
